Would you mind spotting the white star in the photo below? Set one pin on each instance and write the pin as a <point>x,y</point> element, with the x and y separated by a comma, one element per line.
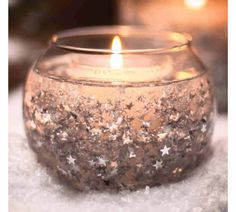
<point>101,161</point>
<point>158,164</point>
<point>71,160</point>
<point>204,128</point>
<point>165,150</point>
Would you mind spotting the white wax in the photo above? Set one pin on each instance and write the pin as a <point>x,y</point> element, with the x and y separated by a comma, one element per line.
<point>135,69</point>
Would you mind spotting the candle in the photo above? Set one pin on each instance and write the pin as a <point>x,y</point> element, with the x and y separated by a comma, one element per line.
<point>112,68</point>
<point>110,121</point>
<point>116,60</point>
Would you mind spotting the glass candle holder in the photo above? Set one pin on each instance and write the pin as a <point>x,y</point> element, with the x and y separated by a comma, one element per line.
<point>119,107</point>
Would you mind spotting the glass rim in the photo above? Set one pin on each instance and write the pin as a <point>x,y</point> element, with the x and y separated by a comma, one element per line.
<point>182,39</point>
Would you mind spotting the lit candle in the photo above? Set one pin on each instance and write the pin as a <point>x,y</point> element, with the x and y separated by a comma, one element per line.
<point>116,60</point>
<point>112,121</point>
<point>117,67</point>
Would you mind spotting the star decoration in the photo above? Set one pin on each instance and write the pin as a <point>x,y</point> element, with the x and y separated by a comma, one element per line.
<point>165,150</point>
<point>101,161</point>
<point>204,128</point>
<point>158,164</point>
<point>71,160</point>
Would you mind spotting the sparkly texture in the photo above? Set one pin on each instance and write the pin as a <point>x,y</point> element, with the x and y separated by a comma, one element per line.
<point>33,188</point>
<point>114,137</point>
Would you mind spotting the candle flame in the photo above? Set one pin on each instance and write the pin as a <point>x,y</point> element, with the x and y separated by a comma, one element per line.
<point>195,4</point>
<point>116,60</point>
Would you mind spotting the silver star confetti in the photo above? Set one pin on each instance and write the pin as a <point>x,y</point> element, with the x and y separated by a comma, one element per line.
<point>71,160</point>
<point>158,164</point>
<point>165,150</point>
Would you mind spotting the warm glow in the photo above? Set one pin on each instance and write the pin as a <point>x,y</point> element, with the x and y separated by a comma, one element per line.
<point>195,4</point>
<point>184,75</point>
<point>116,60</point>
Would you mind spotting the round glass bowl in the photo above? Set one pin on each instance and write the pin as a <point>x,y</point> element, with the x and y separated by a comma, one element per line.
<point>124,116</point>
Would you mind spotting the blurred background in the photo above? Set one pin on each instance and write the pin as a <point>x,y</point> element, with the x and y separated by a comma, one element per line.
<point>32,22</point>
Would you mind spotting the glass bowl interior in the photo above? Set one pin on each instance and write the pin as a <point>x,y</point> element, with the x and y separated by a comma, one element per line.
<point>85,56</point>
<point>134,39</point>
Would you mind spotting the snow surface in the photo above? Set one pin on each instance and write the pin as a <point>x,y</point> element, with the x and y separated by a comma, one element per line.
<point>33,189</point>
